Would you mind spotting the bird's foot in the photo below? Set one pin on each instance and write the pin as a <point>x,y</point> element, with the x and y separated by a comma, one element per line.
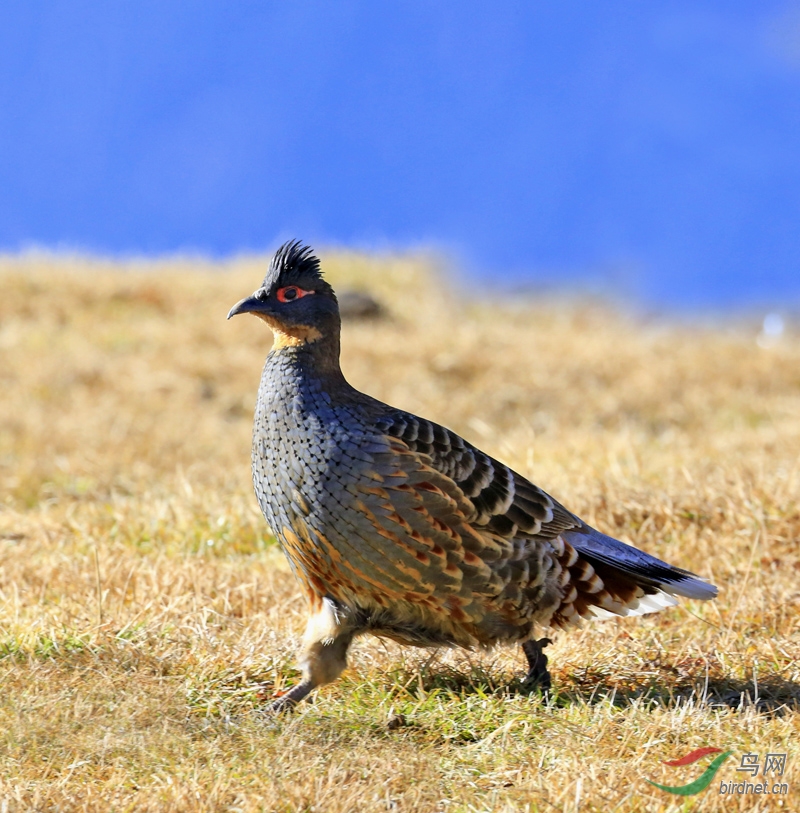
<point>287,701</point>
<point>538,677</point>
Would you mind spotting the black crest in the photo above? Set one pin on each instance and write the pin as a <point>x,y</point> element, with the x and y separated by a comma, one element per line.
<point>294,264</point>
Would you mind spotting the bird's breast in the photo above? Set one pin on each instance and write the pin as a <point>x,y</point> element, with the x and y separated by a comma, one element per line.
<point>307,451</point>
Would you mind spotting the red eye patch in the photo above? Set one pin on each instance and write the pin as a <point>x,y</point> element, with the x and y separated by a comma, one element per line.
<point>290,293</point>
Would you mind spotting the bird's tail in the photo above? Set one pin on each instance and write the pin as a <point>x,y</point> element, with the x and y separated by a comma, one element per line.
<point>633,582</point>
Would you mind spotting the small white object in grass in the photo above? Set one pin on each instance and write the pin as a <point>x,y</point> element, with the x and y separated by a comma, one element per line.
<point>210,543</point>
<point>771,330</point>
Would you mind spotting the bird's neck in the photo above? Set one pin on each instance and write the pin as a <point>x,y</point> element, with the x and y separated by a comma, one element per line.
<point>311,355</point>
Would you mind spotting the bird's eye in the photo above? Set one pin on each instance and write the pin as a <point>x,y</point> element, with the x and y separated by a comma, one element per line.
<point>290,293</point>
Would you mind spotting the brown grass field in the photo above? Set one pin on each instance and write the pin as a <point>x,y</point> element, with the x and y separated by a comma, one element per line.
<point>147,617</point>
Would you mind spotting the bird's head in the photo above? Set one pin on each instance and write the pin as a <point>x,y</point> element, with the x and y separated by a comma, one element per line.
<point>294,300</point>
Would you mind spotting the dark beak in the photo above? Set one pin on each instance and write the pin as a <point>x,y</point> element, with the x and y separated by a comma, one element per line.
<point>250,304</point>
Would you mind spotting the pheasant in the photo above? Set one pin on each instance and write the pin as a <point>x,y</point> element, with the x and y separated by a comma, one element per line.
<point>396,526</point>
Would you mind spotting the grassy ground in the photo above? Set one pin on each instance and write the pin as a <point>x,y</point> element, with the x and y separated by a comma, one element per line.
<point>146,615</point>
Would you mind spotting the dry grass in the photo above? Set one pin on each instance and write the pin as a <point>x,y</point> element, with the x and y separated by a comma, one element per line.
<point>145,614</point>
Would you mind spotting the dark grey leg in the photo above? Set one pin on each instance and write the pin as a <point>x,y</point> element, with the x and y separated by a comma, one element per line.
<point>537,664</point>
<point>286,702</point>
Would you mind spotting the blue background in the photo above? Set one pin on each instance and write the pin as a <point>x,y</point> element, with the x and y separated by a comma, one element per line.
<point>648,148</point>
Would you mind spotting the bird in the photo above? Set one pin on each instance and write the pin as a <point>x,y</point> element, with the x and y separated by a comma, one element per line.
<point>396,526</point>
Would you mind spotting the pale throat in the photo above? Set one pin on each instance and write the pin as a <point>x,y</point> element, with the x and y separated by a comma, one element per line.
<point>289,336</point>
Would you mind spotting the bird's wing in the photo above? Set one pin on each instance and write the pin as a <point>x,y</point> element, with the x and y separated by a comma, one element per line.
<point>492,556</point>
<point>601,575</point>
<point>505,503</point>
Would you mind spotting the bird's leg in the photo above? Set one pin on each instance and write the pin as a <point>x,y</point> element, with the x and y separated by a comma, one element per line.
<point>328,636</point>
<point>287,701</point>
<point>537,664</point>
